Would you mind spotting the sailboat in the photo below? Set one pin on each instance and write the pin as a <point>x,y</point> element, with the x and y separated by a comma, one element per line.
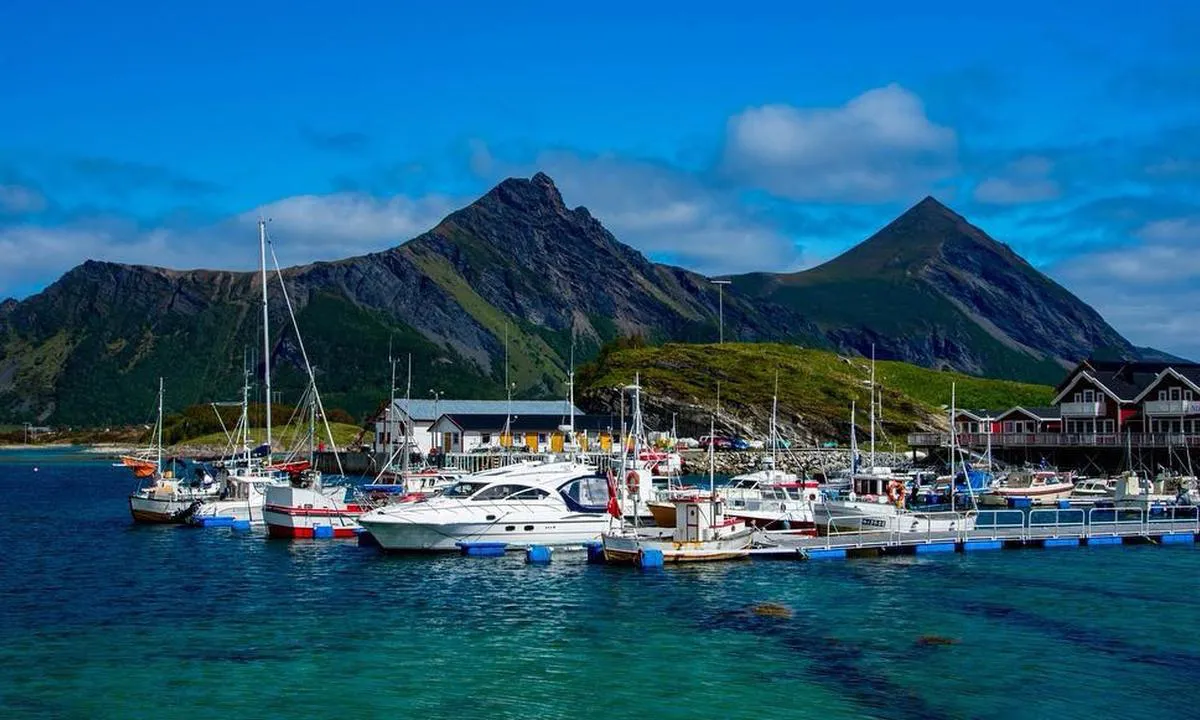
<point>887,511</point>
<point>770,497</point>
<point>702,531</point>
<point>161,497</point>
<point>405,483</point>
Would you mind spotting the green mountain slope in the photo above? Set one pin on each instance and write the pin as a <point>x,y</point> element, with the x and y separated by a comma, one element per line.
<point>816,389</point>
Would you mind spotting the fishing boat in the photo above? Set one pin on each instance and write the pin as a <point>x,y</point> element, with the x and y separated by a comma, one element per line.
<point>702,533</point>
<point>1093,489</point>
<point>161,497</point>
<point>534,503</point>
<point>1038,487</point>
<point>887,511</point>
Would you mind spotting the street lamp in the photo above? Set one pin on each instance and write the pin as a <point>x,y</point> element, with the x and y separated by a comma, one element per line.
<point>721,308</point>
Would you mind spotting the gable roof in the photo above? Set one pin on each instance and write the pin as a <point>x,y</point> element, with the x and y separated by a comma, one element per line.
<point>1189,376</point>
<point>427,410</point>
<point>976,414</point>
<point>1040,414</point>
<point>1105,387</point>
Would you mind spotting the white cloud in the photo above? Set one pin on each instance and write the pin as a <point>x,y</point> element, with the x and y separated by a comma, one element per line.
<point>879,146</point>
<point>20,200</point>
<point>1024,180</point>
<point>667,214</point>
<point>1150,292</point>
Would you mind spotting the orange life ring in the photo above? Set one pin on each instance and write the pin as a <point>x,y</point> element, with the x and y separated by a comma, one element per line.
<point>895,491</point>
<point>632,483</point>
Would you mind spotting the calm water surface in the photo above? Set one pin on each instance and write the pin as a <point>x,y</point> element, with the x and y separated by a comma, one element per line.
<point>99,618</point>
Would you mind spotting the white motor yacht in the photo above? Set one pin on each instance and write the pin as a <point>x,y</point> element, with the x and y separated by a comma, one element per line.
<point>552,503</point>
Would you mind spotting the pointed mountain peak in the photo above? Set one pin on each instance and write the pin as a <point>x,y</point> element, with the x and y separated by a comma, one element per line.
<point>535,194</point>
<point>930,207</point>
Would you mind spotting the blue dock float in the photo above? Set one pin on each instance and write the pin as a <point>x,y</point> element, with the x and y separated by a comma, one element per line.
<point>482,549</point>
<point>937,547</point>
<point>322,532</point>
<point>973,545</point>
<point>649,558</point>
<point>826,554</point>
<point>537,554</point>
<point>241,525</point>
<point>1105,540</point>
<point>1177,539</point>
<point>1061,542</point>
<point>210,522</point>
<point>595,552</point>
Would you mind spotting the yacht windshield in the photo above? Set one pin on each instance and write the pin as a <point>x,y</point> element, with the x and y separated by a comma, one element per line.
<point>586,493</point>
<point>463,489</point>
<point>500,492</point>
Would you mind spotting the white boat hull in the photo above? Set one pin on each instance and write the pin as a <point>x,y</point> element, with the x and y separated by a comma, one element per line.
<point>627,547</point>
<point>165,510</point>
<point>854,517</point>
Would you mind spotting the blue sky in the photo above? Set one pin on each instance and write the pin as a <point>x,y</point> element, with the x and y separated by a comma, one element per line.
<point>769,136</point>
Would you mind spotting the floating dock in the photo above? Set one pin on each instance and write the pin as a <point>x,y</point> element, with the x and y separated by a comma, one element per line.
<point>1004,529</point>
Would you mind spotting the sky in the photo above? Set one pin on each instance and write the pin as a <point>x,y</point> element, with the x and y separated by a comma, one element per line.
<point>723,138</point>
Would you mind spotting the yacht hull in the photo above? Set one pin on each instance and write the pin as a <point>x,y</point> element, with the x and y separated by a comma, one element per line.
<point>399,535</point>
<point>294,513</point>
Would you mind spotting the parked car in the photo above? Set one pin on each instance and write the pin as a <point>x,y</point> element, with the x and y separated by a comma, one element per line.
<point>717,442</point>
<point>687,443</point>
<point>757,444</point>
<point>739,444</point>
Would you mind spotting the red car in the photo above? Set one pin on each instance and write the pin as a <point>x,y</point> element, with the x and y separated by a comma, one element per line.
<point>718,442</point>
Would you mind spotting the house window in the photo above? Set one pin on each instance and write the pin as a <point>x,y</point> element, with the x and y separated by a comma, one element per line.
<point>1089,396</point>
<point>455,439</point>
<point>1108,426</point>
<point>1009,426</point>
<point>541,438</point>
<point>1175,393</point>
<point>485,438</point>
<point>1162,394</point>
<point>1187,395</point>
<point>1078,397</point>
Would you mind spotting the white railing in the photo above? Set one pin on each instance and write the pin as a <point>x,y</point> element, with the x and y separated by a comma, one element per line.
<point>1049,522</point>
<point>1044,439</point>
<point>1172,407</point>
<point>1083,409</point>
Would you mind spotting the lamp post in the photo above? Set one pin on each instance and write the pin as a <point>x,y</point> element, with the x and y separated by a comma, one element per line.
<point>721,308</point>
<point>26,433</point>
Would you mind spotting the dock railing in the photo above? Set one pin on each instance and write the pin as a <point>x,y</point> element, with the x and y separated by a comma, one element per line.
<point>1051,522</point>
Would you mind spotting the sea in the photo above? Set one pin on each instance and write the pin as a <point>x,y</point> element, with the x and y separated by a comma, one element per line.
<point>100,618</point>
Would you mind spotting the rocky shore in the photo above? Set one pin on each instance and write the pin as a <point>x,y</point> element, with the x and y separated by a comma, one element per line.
<point>810,461</point>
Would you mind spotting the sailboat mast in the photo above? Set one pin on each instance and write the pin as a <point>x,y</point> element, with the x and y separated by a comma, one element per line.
<point>262,249</point>
<point>158,440</point>
<point>408,412</point>
<point>953,443</point>
<point>245,420</point>
<point>774,424</point>
<point>872,407</point>
<point>571,391</point>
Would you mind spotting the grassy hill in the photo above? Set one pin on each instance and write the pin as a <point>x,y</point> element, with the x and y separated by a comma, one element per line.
<point>816,389</point>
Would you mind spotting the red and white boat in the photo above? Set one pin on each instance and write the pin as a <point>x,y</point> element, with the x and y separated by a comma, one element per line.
<point>304,508</point>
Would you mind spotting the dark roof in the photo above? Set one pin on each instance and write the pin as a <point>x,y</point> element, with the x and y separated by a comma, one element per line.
<point>979,414</point>
<point>1126,378</point>
<point>526,423</point>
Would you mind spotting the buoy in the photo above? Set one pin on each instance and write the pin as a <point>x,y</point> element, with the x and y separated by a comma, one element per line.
<point>241,524</point>
<point>35,469</point>
<point>595,551</point>
<point>537,554</point>
<point>650,558</point>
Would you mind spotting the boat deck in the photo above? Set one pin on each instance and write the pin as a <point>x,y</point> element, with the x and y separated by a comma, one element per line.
<point>997,529</point>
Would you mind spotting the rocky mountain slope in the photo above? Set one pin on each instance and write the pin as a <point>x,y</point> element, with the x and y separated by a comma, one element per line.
<point>518,267</point>
<point>935,290</point>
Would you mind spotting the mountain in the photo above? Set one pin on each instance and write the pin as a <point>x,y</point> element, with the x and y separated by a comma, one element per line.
<point>518,269</point>
<point>932,289</point>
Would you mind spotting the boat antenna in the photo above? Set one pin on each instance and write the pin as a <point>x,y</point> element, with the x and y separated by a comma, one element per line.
<point>571,389</point>
<point>262,249</point>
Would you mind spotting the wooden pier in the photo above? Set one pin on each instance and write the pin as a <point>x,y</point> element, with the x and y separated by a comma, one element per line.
<point>1001,529</point>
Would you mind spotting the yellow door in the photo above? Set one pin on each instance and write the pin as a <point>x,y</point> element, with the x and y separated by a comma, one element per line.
<point>446,442</point>
<point>556,443</point>
<point>605,442</point>
<point>531,441</point>
<point>505,440</point>
<point>583,442</point>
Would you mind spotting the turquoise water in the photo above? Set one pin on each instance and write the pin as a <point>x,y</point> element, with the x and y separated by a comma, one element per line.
<point>100,618</point>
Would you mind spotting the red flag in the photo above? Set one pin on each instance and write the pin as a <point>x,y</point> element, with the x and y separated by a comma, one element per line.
<point>614,507</point>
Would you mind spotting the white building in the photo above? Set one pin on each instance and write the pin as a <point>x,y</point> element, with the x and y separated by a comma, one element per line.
<point>422,414</point>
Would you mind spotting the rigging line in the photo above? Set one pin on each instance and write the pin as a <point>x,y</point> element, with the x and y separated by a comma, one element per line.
<point>304,353</point>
